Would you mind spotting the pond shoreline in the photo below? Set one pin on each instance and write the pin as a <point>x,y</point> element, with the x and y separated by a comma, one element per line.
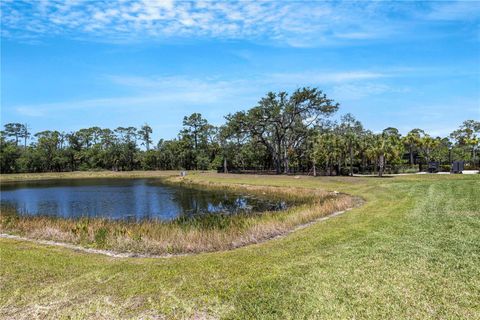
<point>163,239</point>
<point>114,254</point>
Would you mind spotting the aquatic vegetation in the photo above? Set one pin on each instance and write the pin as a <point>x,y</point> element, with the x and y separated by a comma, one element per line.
<point>187,234</point>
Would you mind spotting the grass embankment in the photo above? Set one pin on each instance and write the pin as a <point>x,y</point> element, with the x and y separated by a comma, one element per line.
<point>203,233</point>
<point>16,177</point>
<point>412,251</point>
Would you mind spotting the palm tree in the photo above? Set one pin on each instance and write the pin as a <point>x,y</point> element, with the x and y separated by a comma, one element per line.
<point>351,129</point>
<point>385,145</point>
<point>428,145</point>
<point>412,141</point>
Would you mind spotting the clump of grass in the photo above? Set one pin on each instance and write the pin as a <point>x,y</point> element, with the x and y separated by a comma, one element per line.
<point>202,233</point>
<point>101,235</point>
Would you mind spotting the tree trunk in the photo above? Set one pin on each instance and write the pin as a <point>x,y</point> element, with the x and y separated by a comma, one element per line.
<point>474,157</point>
<point>411,156</point>
<point>278,168</point>
<point>351,161</point>
<point>381,164</point>
<point>363,163</point>
<point>314,169</point>
<point>278,160</point>
<point>225,170</point>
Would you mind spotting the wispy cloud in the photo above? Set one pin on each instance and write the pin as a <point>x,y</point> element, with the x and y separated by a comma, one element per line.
<point>355,91</point>
<point>438,119</point>
<point>323,77</point>
<point>299,24</point>
<point>450,11</point>
<point>165,92</point>
<point>168,94</point>
<point>30,111</point>
<point>172,97</point>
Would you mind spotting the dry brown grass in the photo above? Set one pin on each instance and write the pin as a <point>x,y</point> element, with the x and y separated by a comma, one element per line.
<point>205,234</point>
<point>16,177</point>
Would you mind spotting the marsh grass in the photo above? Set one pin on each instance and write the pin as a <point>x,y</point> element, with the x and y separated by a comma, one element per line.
<point>193,234</point>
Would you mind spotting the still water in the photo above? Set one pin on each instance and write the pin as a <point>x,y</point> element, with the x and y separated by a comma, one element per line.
<point>125,199</point>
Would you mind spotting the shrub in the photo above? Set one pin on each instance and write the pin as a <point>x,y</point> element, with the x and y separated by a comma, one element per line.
<point>445,168</point>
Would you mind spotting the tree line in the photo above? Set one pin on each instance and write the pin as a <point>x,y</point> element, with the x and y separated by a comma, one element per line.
<point>283,133</point>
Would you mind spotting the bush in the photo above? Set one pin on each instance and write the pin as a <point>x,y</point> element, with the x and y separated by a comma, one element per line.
<point>202,162</point>
<point>84,167</point>
<point>445,168</point>
<point>406,169</point>
<point>149,160</point>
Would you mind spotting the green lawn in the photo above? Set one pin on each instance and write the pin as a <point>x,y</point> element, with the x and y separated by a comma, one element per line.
<point>411,251</point>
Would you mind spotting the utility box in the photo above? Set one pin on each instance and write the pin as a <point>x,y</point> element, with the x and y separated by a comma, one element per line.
<point>457,166</point>
<point>433,167</point>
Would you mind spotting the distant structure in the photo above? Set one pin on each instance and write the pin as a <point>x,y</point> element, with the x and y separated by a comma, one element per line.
<point>433,167</point>
<point>457,166</point>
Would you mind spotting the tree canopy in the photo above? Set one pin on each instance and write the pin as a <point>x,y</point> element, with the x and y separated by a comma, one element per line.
<point>285,133</point>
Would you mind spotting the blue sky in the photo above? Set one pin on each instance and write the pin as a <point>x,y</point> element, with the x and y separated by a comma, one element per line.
<point>67,65</point>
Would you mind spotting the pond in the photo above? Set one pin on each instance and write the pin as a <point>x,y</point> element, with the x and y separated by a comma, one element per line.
<point>126,199</point>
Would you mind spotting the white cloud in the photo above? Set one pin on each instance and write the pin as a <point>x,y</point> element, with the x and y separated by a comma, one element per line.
<point>300,24</point>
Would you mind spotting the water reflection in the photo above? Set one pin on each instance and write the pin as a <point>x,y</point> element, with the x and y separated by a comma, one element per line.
<point>128,199</point>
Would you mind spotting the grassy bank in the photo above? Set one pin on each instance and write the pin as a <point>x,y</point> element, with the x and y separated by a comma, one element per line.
<point>203,233</point>
<point>18,177</point>
<point>411,251</point>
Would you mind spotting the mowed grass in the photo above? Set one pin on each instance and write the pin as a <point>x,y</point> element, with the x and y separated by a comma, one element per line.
<point>411,251</point>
